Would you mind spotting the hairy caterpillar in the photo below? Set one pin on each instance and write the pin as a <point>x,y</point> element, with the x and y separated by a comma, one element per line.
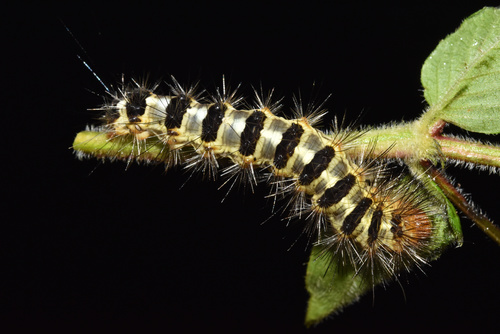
<point>368,221</point>
<point>360,211</point>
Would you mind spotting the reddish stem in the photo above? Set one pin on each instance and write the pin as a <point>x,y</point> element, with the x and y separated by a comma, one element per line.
<point>461,202</point>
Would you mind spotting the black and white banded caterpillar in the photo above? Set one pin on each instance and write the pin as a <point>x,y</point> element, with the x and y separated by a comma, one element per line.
<point>375,202</point>
<point>358,210</point>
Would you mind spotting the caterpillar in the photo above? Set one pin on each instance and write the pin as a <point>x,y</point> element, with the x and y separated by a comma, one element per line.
<point>357,208</point>
<point>371,210</point>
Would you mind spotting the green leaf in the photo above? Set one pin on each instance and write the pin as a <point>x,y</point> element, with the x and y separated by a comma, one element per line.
<point>461,77</point>
<point>331,285</point>
<point>446,231</point>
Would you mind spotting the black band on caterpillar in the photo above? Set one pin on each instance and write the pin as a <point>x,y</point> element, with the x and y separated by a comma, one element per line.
<point>251,133</point>
<point>316,166</point>
<point>212,122</point>
<point>285,149</point>
<point>175,111</point>
<point>335,194</point>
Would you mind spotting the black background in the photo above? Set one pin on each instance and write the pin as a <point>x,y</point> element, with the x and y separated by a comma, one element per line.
<point>86,245</point>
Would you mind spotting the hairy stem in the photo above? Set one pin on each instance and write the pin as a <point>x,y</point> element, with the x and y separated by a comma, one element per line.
<point>99,145</point>
<point>411,141</point>
<point>461,202</point>
<point>471,152</point>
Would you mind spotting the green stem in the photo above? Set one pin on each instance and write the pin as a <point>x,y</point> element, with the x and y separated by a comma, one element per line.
<point>400,141</point>
<point>413,141</point>
<point>99,145</point>
<point>393,142</point>
<point>466,151</point>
